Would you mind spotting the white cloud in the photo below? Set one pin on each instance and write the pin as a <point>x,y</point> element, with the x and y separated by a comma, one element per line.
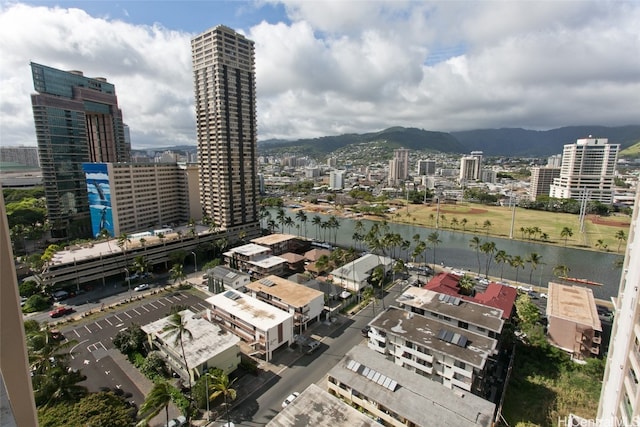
<point>351,67</point>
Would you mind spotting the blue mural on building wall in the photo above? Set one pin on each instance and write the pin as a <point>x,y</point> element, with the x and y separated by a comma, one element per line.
<point>99,197</point>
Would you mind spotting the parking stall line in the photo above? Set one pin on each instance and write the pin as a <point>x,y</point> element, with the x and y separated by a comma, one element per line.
<point>87,328</point>
<point>161,303</point>
<point>98,325</point>
<point>136,311</point>
<point>128,315</point>
<point>148,311</point>
<point>119,319</point>
<point>107,320</point>
<point>200,306</point>
<point>154,307</point>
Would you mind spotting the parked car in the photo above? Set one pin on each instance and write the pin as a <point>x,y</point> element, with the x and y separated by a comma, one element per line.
<point>365,331</point>
<point>60,295</point>
<point>142,287</point>
<point>177,422</point>
<point>290,399</point>
<point>60,311</point>
<point>312,345</point>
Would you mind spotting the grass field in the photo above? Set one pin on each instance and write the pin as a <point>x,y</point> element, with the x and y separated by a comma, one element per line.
<point>596,228</point>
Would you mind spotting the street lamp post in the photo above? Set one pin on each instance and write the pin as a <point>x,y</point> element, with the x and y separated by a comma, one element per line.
<point>128,281</point>
<point>195,261</point>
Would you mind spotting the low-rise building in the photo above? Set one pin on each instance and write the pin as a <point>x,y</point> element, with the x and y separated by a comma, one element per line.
<point>354,276</point>
<point>209,345</point>
<point>456,357</point>
<point>454,311</point>
<point>221,278</point>
<point>306,304</point>
<point>398,397</point>
<point>255,259</point>
<point>320,409</point>
<point>280,243</point>
<point>264,327</point>
<point>574,325</point>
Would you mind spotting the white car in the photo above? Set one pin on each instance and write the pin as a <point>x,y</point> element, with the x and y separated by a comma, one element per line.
<point>142,287</point>
<point>290,399</point>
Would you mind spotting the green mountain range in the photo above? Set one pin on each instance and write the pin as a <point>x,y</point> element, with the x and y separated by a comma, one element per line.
<point>512,142</point>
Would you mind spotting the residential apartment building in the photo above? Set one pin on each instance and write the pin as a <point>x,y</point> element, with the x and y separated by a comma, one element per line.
<point>26,156</point>
<point>354,276</point>
<point>264,327</point>
<point>574,325</point>
<point>399,166</point>
<point>306,304</point>
<point>279,243</point>
<point>256,260</point>
<point>209,346</point>
<point>588,170</point>
<point>226,127</point>
<point>336,180</point>
<point>77,120</point>
<point>130,197</point>
<point>541,180</point>
<point>17,405</point>
<point>398,397</point>
<point>457,358</point>
<point>620,396</point>
<point>454,311</point>
<point>426,167</point>
<point>221,278</point>
<point>469,168</point>
<point>320,409</point>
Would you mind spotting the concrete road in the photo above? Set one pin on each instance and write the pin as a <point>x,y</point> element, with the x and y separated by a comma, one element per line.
<point>265,402</point>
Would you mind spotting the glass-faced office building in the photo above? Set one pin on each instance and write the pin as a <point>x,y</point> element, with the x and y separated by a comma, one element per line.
<point>77,120</point>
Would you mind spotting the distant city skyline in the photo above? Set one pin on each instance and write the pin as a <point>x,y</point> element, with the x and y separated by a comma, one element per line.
<point>328,68</point>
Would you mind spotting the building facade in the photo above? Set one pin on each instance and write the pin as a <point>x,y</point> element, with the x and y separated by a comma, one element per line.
<point>130,197</point>
<point>455,357</point>
<point>426,167</point>
<point>226,127</point>
<point>588,170</point>
<point>620,396</point>
<point>264,327</point>
<point>541,180</point>
<point>399,166</point>
<point>77,120</point>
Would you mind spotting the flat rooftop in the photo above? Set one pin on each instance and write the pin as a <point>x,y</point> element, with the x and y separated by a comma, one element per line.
<point>267,261</point>
<point>248,250</point>
<point>425,331</point>
<point>419,399</point>
<point>273,239</point>
<point>457,308</point>
<point>315,407</point>
<point>208,339</point>
<point>249,309</point>
<point>573,303</point>
<point>289,292</point>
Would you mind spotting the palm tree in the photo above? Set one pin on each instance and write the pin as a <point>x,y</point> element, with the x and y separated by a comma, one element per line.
<point>333,223</point>
<point>561,271</point>
<point>466,285</point>
<point>288,222</point>
<point>454,222</point>
<point>516,262</point>
<point>158,399</point>
<point>463,222</point>
<point>502,258</point>
<point>434,239</point>
<point>367,294</point>
<point>487,225</point>
<point>177,327</point>
<point>533,260</point>
<point>601,244</point>
<point>317,221</point>
<point>489,249</point>
<point>140,264</point>
<point>177,273</point>
<point>566,233</point>
<point>620,236</point>
<point>222,386</point>
<point>301,216</point>
<point>476,244</point>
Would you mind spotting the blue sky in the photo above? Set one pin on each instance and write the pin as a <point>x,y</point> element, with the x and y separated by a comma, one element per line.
<point>328,67</point>
<point>190,16</point>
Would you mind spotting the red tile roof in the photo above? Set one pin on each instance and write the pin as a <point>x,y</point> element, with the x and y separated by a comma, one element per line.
<point>496,295</point>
